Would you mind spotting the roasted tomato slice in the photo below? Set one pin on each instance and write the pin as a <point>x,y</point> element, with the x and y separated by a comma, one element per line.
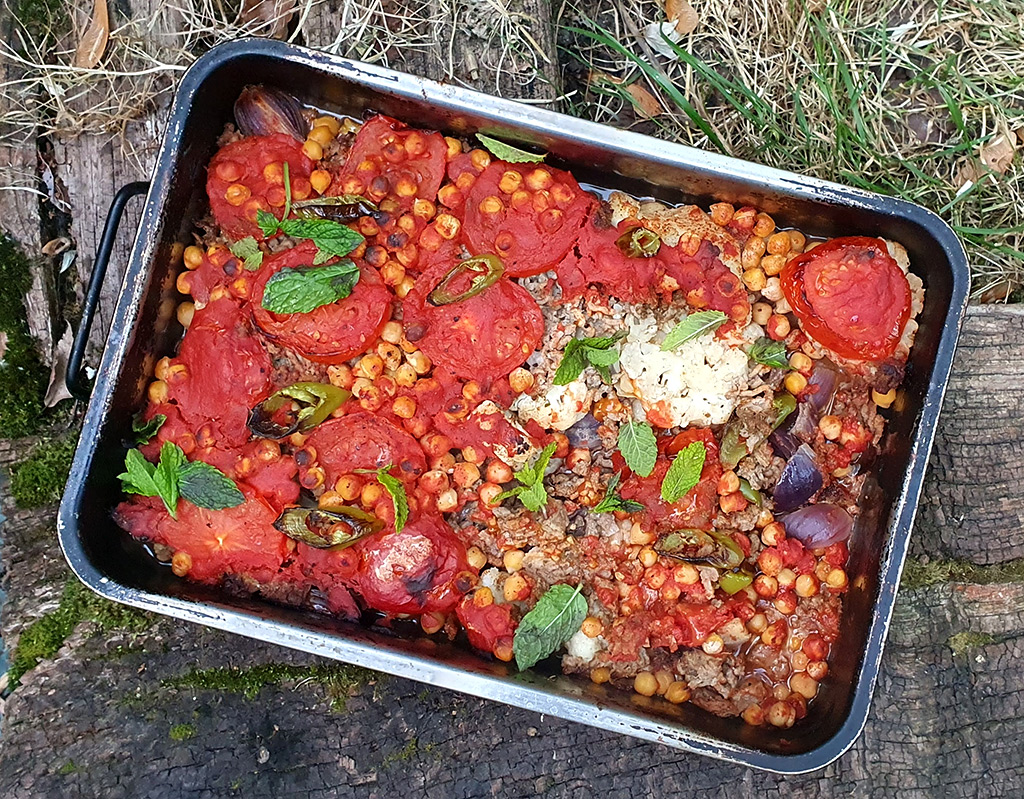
<point>481,338</point>
<point>240,540</point>
<point>363,441</point>
<point>697,507</point>
<point>705,281</point>
<point>529,215</point>
<point>331,333</point>
<point>489,627</point>
<point>248,175</point>
<point>389,159</point>
<point>332,573</point>
<point>218,391</point>
<point>850,296</point>
<point>414,571</point>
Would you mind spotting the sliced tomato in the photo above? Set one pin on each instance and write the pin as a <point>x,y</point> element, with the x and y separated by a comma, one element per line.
<point>529,215</point>
<point>596,260</point>
<point>364,441</point>
<point>248,175</point>
<point>414,571</point>
<point>697,507</point>
<point>331,333</point>
<point>218,391</point>
<point>391,160</point>
<point>706,282</point>
<point>486,626</point>
<point>333,572</point>
<point>850,296</point>
<point>240,540</point>
<point>481,338</point>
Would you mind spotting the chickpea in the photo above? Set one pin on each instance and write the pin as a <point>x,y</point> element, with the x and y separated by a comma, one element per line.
<point>733,503</point>
<point>476,558</point>
<point>806,585</point>
<point>645,684</point>
<point>804,685</point>
<point>404,407</point>
<point>801,362</point>
<point>772,265</point>
<point>837,579</point>
<point>677,692</point>
<point>884,400</point>
<point>753,251</point>
<point>488,493</point>
<point>686,574</point>
<point>516,588</point>
<point>447,500</point>
<point>405,375</point>
<point>764,226</point>
<point>181,563</point>
<point>436,444</point>
<point>648,557</point>
<point>521,380</point>
<point>778,327</point>
<point>817,670</point>
<point>728,483</point>
<point>721,213</point>
<point>797,240</point>
<point>418,361</point>
<point>561,444</point>
<point>370,366</point>
<point>795,383</point>
<point>787,578</point>
<point>473,455</point>
<point>370,494</point>
<point>760,313</point>
<point>601,674</point>
<point>465,475</point>
<point>592,627</point>
<point>433,481</point>
<point>158,392</point>
<point>773,534</point>
<point>766,586</point>
<point>754,279</point>
<point>713,644</point>
<point>499,472</point>
<point>757,623</point>
<point>349,487</point>
<point>779,243</point>
<point>313,149</point>
<point>513,560</point>
<point>781,714</point>
<point>786,603</point>
<point>754,715</point>
<point>831,427</point>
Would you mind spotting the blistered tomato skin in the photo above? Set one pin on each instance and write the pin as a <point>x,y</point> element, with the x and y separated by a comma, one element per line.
<point>485,626</point>
<point>851,296</point>
<point>364,441</point>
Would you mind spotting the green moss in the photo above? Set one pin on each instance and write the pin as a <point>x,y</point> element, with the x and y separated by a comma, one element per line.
<point>67,768</point>
<point>918,574</point>
<point>23,378</point>
<point>44,637</point>
<point>337,678</point>
<point>182,732</point>
<point>401,756</point>
<point>962,643</point>
<point>42,18</point>
<point>39,479</point>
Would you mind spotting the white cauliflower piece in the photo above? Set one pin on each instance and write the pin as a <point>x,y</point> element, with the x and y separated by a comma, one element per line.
<point>584,648</point>
<point>558,408</point>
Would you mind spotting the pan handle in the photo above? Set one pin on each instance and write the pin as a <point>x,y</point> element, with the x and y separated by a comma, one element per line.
<point>77,383</point>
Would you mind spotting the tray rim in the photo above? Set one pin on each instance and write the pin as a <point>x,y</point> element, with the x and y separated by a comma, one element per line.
<point>515,116</point>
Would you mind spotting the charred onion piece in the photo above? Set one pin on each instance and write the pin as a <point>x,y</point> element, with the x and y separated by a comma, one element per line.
<point>818,525</point>
<point>326,529</point>
<point>296,408</point>
<point>262,110</point>
<point>639,243</point>
<point>343,208</point>
<point>704,548</point>
<point>486,269</point>
<point>800,480</point>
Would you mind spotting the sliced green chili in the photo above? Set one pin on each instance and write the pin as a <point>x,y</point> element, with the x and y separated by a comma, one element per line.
<point>486,269</point>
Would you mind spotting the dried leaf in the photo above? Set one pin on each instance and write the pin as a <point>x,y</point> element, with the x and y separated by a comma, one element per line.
<point>683,15</point>
<point>56,246</point>
<point>1020,134</point>
<point>273,14</point>
<point>94,40</point>
<point>644,102</point>
<point>998,154</point>
<point>997,293</point>
<point>58,388</point>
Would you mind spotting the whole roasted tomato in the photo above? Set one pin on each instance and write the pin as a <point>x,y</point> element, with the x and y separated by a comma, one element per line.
<point>851,296</point>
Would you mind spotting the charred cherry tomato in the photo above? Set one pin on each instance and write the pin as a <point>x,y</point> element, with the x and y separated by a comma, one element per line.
<point>481,338</point>
<point>529,215</point>
<point>363,441</point>
<point>413,571</point>
<point>485,626</point>
<point>331,333</point>
<point>851,296</point>
<point>248,175</point>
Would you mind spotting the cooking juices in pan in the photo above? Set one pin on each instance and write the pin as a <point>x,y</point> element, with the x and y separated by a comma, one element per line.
<point>438,380</point>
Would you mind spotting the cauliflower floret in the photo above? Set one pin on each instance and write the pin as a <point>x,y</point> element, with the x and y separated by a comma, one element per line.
<point>558,408</point>
<point>698,383</point>
<point>584,648</point>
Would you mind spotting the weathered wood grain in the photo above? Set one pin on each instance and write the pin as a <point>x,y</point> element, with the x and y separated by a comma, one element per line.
<point>973,501</point>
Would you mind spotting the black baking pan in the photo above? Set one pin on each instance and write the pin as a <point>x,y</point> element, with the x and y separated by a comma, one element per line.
<point>144,329</point>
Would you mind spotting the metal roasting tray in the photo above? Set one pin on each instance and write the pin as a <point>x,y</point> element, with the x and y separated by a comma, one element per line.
<point>144,329</point>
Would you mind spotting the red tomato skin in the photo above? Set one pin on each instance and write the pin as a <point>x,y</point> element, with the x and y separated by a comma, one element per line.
<point>386,152</point>
<point>219,391</point>
<point>364,441</point>
<point>248,157</point>
<point>484,626</point>
<point>239,540</point>
<point>698,507</point>
<point>334,572</point>
<point>529,241</point>
<point>332,333</point>
<point>413,571</point>
<point>482,338</point>
<point>850,295</point>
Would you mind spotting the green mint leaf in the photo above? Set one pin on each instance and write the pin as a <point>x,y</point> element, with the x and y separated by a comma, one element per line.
<point>693,326</point>
<point>572,365</point>
<point>249,251</point>
<point>396,489</point>
<point>555,618</point>
<point>166,476</point>
<point>770,353</point>
<point>601,357</point>
<point>534,473</point>
<point>531,493</point>
<point>206,486</point>
<point>145,430</point>
<point>611,501</point>
<point>684,473</point>
<point>603,342</point>
<point>512,492</point>
<point>137,477</point>
<point>321,257</point>
<point>305,289</point>
<point>638,446</point>
<point>506,152</point>
<point>267,222</point>
<point>332,238</point>
<point>534,497</point>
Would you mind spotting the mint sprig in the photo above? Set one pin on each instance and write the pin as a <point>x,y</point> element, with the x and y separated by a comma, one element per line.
<point>173,476</point>
<point>684,472</point>
<point>579,352</point>
<point>555,618</point>
<point>531,491</point>
<point>693,326</point>
<point>395,489</point>
<point>612,501</point>
<point>507,152</point>
<point>770,353</point>
<point>249,251</point>
<point>306,288</point>
<point>639,447</point>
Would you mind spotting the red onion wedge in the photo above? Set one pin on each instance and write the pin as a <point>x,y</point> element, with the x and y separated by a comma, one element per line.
<point>800,480</point>
<point>818,526</point>
<point>821,387</point>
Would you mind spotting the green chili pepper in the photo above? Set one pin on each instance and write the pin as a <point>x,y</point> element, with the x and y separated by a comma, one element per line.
<point>486,269</point>
<point>277,416</point>
<point>750,493</point>
<point>639,243</point>
<point>733,449</point>
<point>732,582</point>
<point>711,548</point>
<point>784,405</point>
